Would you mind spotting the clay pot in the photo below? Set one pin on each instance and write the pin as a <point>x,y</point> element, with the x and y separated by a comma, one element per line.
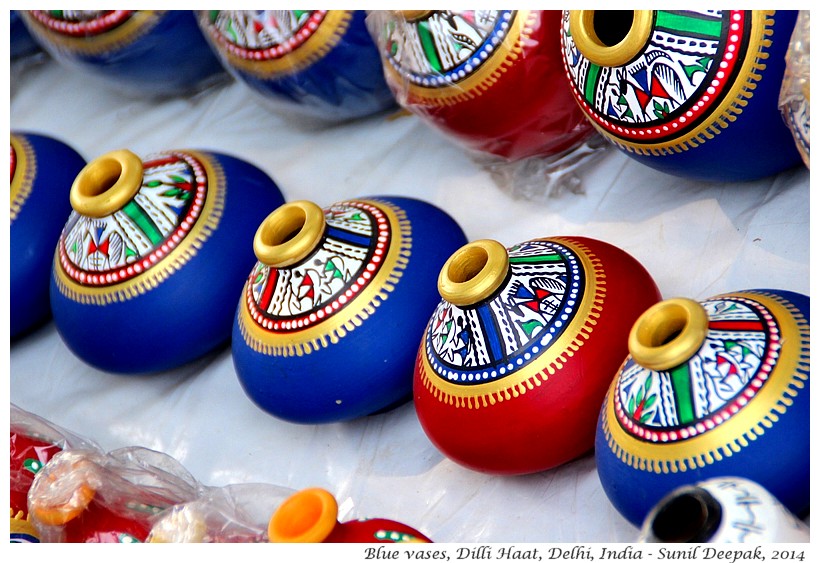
<point>139,52</point>
<point>711,388</point>
<point>517,357</point>
<point>319,63</point>
<point>310,516</point>
<point>693,94</point>
<point>722,510</point>
<point>326,329</point>
<point>42,170</point>
<point>149,264</point>
<point>491,80</point>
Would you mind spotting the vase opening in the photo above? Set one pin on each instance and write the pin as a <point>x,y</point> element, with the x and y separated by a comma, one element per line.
<point>289,234</point>
<point>689,516</point>
<point>473,273</point>
<point>610,37</point>
<point>669,333</point>
<point>107,184</point>
<point>307,516</point>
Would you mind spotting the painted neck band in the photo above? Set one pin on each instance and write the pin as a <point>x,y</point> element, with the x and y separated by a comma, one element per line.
<point>473,273</point>
<point>289,234</point>
<point>610,37</point>
<point>307,516</point>
<point>106,184</point>
<point>691,515</point>
<point>669,333</point>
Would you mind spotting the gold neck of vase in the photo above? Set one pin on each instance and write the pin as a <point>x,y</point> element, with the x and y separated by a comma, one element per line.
<point>289,234</point>
<point>668,334</point>
<point>610,37</point>
<point>473,273</point>
<point>107,183</point>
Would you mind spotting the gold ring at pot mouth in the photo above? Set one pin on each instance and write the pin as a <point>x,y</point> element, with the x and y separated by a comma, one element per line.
<point>474,272</point>
<point>106,184</point>
<point>669,333</point>
<point>289,234</point>
<point>586,31</point>
<point>414,15</point>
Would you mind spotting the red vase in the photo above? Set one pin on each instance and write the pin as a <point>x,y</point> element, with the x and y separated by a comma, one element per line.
<point>517,358</point>
<point>493,80</point>
<point>310,516</point>
<point>28,456</point>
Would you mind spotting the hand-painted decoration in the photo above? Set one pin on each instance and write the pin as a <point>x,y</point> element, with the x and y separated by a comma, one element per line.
<point>149,254</point>
<point>319,63</point>
<point>490,79</point>
<point>690,93</point>
<point>42,170</point>
<point>85,496</point>
<point>329,318</point>
<point>711,388</point>
<point>310,516</point>
<point>517,357</point>
<point>722,510</point>
<point>138,52</point>
<point>796,89</point>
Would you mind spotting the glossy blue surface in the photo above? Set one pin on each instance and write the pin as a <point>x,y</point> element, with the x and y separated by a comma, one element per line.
<point>188,314</point>
<point>345,83</point>
<point>778,458</point>
<point>370,369</point>
<point>22,43</point>
<point>34,231</point>
<point>170,58</point>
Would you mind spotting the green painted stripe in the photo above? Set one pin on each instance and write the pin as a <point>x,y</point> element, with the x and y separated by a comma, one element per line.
<point>688,24</point>
<point>429,46</point>
<point>535,259</point>
<point>681,382</point>
<point>589,85</point>
<point>141,219</point>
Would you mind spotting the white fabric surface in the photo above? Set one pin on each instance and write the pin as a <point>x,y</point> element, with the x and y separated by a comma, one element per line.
<point>696,239</point>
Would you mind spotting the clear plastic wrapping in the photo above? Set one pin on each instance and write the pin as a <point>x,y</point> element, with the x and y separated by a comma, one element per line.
<point>794,99</point>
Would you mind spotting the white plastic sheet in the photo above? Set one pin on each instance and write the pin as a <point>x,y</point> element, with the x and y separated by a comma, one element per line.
<point>696,239</point>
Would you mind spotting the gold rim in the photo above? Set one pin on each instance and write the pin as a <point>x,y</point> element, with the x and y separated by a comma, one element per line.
<point>307,516</point>
<point>582,29</point>
<point>289,234</point>
<point>669,333</point>
<point>473,273</point>
<point>414,15</point>
<point>106,184</point>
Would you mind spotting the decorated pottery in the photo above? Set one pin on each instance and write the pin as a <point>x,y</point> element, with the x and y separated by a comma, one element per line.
<point>321,63</point>
<point>87,496</point>
<point>42,171</point>
<point>154,252</point>
<point>796,89</point>
<point>33,442</point>
<point>517,356</point>
<point>722,510</point>
<point>693,94</point>
<point>140,52</point>
<point>327,324</point>
<point>310,516</point>
<point>491,80</point>
<point>710,388</point>
<point>237,513</point>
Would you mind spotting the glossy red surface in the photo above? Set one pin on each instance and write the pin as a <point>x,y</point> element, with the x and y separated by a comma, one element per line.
<point>27,455</point>
<point>528,111</point>
<point>554,422</point>
<point>375,530</point>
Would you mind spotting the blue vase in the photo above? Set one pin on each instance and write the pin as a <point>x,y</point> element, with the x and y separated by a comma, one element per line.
<point>153,254</point>
<point>42,171</point>
<point>332,314</point>
<point>319,63</point>
<point>22,43</point>
<point>693,94</point>
<point>140,52</point>
<point>712,388</point>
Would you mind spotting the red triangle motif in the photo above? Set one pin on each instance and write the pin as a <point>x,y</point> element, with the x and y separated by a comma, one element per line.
<point>657,89</point>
